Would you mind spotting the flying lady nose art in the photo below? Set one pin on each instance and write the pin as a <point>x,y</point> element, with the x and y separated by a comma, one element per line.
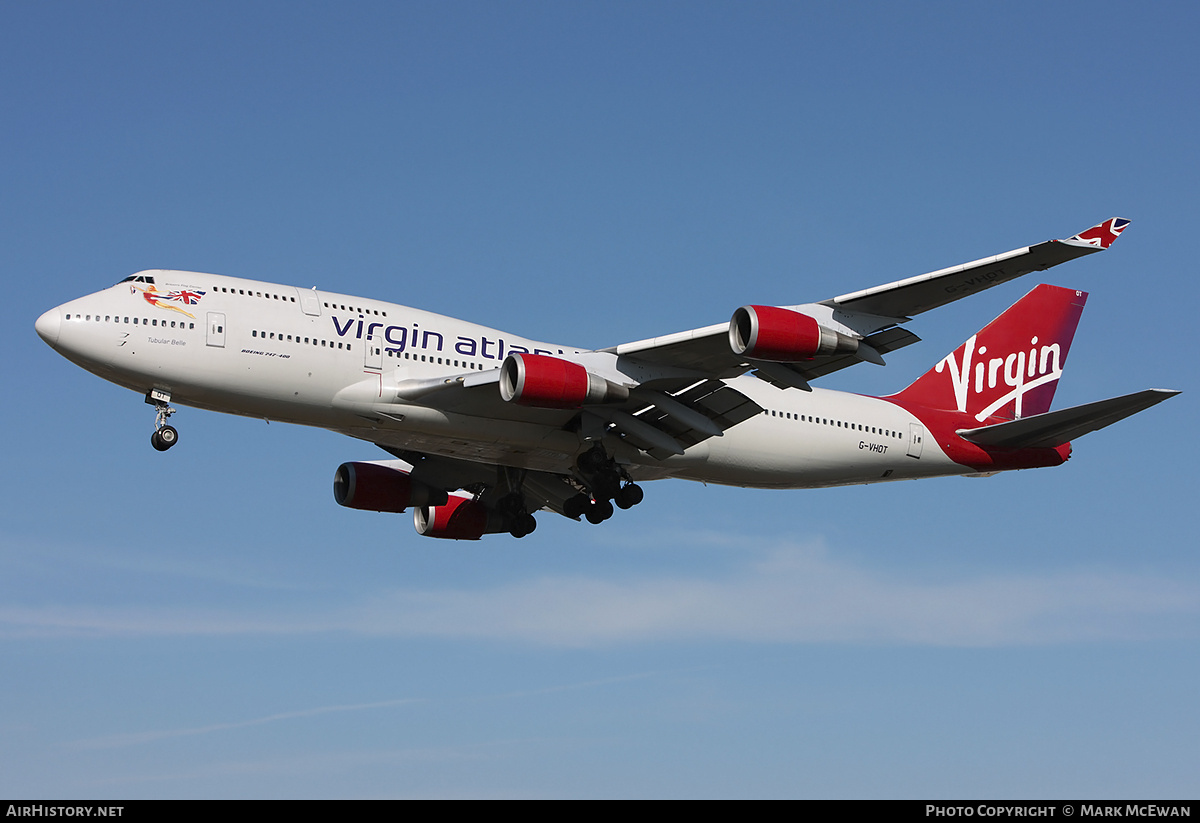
<point>163,301</point>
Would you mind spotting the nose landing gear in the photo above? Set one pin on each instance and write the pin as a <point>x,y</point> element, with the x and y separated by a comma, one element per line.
<point>164,436</point>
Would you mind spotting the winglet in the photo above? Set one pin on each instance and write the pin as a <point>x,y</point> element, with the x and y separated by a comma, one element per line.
<point>1102,236</point>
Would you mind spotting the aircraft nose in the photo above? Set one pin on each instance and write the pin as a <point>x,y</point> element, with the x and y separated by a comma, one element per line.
<point>48,326</point>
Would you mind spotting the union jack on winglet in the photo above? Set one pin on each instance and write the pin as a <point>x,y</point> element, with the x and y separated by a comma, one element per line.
<point>1103,235</point>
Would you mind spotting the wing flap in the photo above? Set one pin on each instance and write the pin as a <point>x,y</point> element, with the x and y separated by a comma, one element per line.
<point>1057,427</point>
<point>723,406</point>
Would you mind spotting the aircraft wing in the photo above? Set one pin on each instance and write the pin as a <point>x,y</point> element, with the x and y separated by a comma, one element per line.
<point>1057,427</point>
<point>906,298</point>
<point>871,314</point>
<point>661,416</point>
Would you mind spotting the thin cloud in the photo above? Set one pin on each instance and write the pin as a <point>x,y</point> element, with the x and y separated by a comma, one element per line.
<point>137,738</point>
<point>798,596</point>
<point>792,595</point>
<point>152,736</point>
<point>39,556</point>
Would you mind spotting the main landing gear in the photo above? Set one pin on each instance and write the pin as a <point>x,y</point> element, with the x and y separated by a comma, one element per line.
<point>516,517</point>
<point>603,478</point>
<point>164,436</point>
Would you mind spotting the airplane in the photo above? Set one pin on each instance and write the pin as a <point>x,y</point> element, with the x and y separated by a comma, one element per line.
<point>485,428</point>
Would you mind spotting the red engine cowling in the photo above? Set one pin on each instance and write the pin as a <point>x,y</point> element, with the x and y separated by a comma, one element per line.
<point>553,383</point>
<point>378,487</point>
<point>783,335</point>
<point>457,519</point>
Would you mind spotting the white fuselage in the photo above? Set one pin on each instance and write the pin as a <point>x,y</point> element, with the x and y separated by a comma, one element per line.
<point>330,360</point>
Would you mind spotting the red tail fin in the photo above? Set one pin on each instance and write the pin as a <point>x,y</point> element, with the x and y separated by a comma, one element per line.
<point>1010,369</point>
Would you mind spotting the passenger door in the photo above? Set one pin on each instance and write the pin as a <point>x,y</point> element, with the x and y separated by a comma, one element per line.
<point>216,329</point>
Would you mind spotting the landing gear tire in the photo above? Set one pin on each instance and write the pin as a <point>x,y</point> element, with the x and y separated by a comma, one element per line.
<point>164,438</point>
<point>599,511</point>
<point>576,506</point>
<point>629,496</point>
<point>524,525</point>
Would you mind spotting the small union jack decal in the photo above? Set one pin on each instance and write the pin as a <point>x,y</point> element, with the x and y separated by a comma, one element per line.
<point>1104,234</point>
<point>188,298</point>
<point>162,301</point>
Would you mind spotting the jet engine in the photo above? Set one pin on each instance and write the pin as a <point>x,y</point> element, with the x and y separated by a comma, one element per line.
<point>457,519</point>
<point>783,335</point>
<point>553,383</point>
<point>380,487</point>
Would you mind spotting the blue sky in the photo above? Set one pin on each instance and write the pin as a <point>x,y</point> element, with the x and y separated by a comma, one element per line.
<point>208,623</point>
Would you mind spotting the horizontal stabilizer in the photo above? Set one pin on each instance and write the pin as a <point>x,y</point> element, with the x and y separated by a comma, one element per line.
<point>1057,427</point>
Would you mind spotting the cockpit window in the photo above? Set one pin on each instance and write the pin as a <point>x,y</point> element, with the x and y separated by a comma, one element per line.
<point>137,278</point>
